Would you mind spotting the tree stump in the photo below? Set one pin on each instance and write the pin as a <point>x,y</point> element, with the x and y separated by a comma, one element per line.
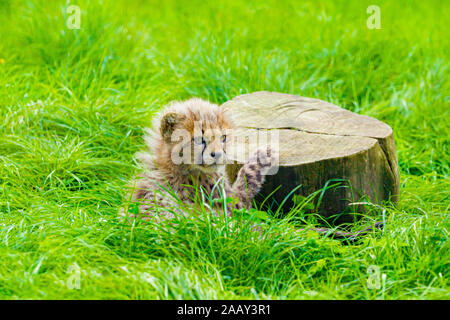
<point>320,145</point>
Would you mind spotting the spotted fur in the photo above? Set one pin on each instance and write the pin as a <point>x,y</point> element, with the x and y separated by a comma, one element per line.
<point>162,181</point>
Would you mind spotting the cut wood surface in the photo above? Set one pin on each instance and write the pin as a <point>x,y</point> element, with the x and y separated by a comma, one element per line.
<point>319,144</point>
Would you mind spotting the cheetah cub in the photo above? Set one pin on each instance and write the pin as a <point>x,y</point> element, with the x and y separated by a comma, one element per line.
<point>187,146</point>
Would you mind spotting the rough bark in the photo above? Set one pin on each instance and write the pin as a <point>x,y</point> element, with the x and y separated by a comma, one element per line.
<point>319,144</point>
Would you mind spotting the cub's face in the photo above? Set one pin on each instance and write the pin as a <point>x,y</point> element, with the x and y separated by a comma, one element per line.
<point>197,137</point>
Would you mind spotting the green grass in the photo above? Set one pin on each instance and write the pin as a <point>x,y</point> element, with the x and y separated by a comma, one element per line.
<point>73,105</point>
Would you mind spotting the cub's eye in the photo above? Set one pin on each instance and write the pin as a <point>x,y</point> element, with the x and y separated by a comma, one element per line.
<point>223,138</point>
<point>199,140</point>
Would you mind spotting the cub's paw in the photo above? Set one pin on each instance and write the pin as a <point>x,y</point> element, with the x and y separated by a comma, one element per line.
<point>264,158</point>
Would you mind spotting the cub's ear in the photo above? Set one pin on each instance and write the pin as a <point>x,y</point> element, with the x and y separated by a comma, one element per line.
<point>168,124</point>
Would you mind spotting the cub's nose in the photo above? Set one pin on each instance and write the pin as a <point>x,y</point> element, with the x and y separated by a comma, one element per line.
<point>216,155</point>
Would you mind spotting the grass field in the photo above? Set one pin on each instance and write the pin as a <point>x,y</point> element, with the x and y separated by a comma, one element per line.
<point>73,105</point>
